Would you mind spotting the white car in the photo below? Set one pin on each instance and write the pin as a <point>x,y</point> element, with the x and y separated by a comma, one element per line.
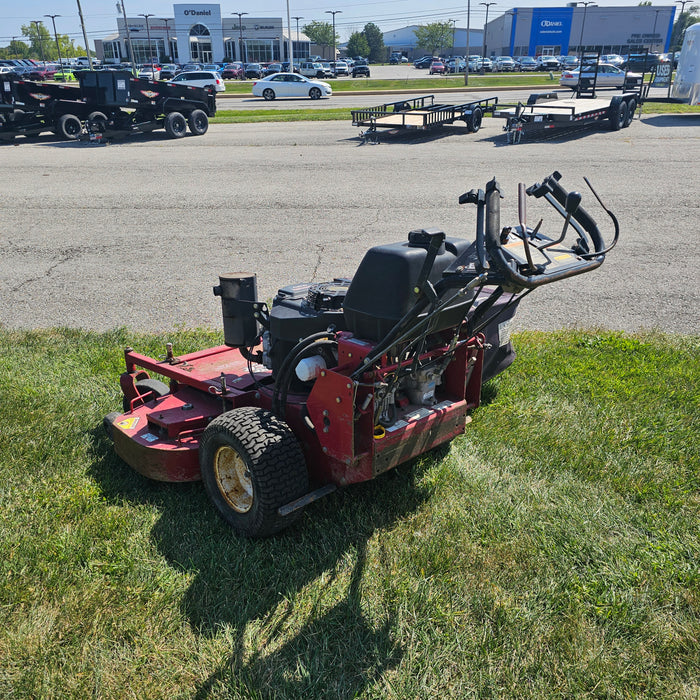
<point>608,76</point>
<point>290,85</point>
<point>200,78</point>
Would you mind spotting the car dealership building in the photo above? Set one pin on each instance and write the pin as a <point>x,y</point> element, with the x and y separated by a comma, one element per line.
<point>535,31</point>
<point>199,33</point>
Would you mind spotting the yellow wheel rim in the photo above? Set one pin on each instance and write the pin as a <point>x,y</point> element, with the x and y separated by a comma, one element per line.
<point>233,479</point>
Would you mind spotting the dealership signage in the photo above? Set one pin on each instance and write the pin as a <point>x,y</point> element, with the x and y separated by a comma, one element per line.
<point>550,27</point>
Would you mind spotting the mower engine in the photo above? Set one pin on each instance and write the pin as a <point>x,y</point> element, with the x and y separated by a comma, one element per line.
<point>340,381</point>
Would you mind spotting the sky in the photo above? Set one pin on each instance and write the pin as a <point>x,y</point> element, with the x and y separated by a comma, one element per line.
<point>101,15</point>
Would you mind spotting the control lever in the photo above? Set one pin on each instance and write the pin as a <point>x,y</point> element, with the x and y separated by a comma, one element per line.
<point>522,207</point>
<point>573,199</point>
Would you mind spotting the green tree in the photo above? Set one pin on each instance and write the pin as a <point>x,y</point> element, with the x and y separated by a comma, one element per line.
<point>434,37</point>
<point>42,38</point>
<point>683,21</point>
<point>375,41</point>
<point>321,33</point>
<point>357,45</point>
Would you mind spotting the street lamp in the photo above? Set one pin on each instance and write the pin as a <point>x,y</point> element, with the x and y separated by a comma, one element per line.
<point>291,64</point>
<point>132,55</point>
<point>466,68</point>
<point>334,13</point>
<point>240,33</point>
<point>41,39</point>
<point>682,3</point>
<point>87,46</point>
<point>653,31</point>
<point>167,35</point>
<point>454,24</point>
<point>58,48</point>
<point>148,35</point>
<point>483,55</point>
<point>585,4</point>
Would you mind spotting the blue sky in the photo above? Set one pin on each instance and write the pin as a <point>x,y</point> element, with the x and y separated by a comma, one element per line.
<point>101,15</point>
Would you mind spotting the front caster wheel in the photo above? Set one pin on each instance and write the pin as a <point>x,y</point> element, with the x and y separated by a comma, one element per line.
<point>252,464</point>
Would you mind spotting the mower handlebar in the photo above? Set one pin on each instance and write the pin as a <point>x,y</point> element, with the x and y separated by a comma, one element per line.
<point>526,265</point>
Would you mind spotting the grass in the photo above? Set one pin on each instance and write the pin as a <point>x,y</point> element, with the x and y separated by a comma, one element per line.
<point>552,551</point>
<point>430,83</point>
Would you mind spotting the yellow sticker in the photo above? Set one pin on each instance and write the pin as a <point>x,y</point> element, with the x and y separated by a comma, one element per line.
<point>129,423</point>
<point>564,256</point>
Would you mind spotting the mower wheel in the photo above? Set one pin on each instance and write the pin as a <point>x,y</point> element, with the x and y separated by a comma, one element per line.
<point>144,387</point>
<point>252,464</point>
<point>108,423</point>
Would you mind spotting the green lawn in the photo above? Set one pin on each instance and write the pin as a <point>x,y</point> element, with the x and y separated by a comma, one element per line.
<point>552,551</point>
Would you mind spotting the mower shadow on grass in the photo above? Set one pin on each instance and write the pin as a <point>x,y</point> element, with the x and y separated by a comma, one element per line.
<point>241,585</point>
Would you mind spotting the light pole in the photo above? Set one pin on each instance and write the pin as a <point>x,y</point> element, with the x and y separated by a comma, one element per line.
<point>466,68</point>
<point>240,34</point>
<point>41,40</point>
<point>132,56</point>
<point>483,55</point>
<point>334,13</point>
<point>682,3</point>
<point>148,35</point>
<point>167,35</point>
<point>87,46</point>
<point>585,4</point>
<point>653,31</point>
<point>291,64</point>
<point>454,24</point>
<point>58,48</point>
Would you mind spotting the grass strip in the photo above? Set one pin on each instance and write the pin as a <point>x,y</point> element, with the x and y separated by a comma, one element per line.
<point>551,551</point>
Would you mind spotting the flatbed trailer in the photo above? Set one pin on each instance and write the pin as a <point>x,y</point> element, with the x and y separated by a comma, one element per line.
<point>545,113</point>
<point>420,113</point>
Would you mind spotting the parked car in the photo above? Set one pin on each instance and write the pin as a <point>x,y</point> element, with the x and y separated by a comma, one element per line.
<point>423,62</point>
<point>547,63</point>
<point>642,63</point>
<point>312,69</point>
<point>608,76</point>
<point>340,68</point>
<point>168,71</point>
<point>526,63</point>
<point>252,71</point>
<point>569,62</point>
<point>360,71</point>
<point>201,78</point>
<point>437,67</point>
<point>42,73</point>
<point>456,65</point>
<point>149,72</point>
<point>233,71</point>
<point>397,58</point>
<point>504,63</point>
<point>64,76</point>
<point>273,68</point>
<point>290,85</point>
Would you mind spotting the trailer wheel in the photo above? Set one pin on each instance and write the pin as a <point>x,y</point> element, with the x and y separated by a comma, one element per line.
<point>198,122</point>
<point>618,116</point>
<point>268,94</point>
<point>631,109</point>
<point>251,465</point>
<point>474,120</point>
<point>175,125</point>
<point>315,93</point>
<point>150,388</point>
<point>69,127</point>
<point>97,120</point>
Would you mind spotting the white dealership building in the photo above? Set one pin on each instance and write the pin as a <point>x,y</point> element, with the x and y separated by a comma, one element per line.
<point>199,33</point>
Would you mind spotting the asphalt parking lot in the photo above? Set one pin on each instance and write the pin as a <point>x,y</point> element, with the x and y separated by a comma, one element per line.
<point>135,234</point>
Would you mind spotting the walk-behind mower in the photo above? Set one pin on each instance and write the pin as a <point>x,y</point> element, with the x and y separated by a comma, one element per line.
<point>340,381</point>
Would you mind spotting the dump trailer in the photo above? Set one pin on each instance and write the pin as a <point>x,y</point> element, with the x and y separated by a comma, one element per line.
<point>28,108</point>
<point>105,104</point>
<point>546,113</point>
<point>122,105</point>
<point>420,113</point>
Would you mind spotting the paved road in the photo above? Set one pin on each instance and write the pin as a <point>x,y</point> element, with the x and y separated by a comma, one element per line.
<point>135,234</point>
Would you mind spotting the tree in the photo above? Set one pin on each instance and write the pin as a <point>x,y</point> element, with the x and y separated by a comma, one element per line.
<point>41,38</point>
<point>375,41</point>
<point>434,37</point>
<point>357,45</point>
<point>684,20</point>
<point>321,33</point>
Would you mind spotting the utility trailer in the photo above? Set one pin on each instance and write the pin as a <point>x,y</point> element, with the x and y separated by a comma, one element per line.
<point>105,104</point>
<point>547,113</point>
<point>420,113</point>
<point>29,108</point>
<point>124,105</point>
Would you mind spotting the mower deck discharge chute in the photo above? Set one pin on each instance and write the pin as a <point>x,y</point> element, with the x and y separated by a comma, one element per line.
<point>340,381</point>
